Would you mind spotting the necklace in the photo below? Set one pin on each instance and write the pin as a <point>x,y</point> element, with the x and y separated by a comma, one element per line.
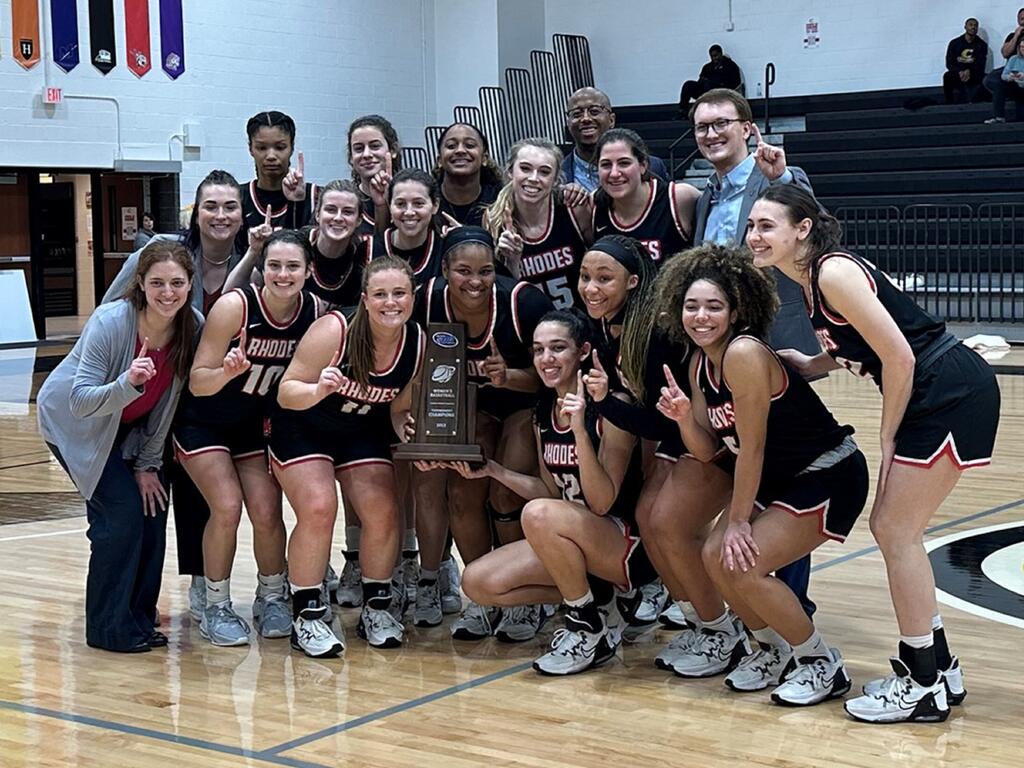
<point>223,261</point>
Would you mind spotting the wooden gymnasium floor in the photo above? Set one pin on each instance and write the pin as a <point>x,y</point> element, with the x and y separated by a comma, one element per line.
<point>437,702</point>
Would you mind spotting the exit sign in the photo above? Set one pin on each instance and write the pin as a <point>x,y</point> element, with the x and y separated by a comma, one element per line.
<point>52,95</point>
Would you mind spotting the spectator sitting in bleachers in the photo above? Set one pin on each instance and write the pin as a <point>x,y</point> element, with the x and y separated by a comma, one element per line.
<point>588,115</point>
<point>1013,80</point>
<point>994,79</point>
<point>965,66</point>
<point>720,72</point>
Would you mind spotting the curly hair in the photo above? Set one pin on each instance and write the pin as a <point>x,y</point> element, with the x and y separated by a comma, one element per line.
<point>490,173</point>
<point>749,290</point>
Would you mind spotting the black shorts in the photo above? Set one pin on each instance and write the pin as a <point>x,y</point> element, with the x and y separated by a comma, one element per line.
<point>502,403</point>
<point>953,410</point>
<point>671,448</point>
<point>836,495</point>
<point>636,566</point>
<point>293,439</point>
<point>244,440</point>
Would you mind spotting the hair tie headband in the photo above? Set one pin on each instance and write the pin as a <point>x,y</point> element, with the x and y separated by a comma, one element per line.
<point>462,235</point>
<point>625,256</point>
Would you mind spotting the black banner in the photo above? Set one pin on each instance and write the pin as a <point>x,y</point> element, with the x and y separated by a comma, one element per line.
<point>101,35</point>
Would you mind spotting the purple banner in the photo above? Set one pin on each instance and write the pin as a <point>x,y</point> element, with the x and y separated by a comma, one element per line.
<point>64,23</point>
<point>172,38</point>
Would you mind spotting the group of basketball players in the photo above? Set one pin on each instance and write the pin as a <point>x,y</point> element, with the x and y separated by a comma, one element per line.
<point>637,425</point>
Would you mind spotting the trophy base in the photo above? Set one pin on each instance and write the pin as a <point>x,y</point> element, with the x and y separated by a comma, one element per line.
<point>439,452</point>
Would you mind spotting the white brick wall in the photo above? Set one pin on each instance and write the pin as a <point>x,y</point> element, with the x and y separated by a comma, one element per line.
<point>642,51</point>
<point>323,63</point>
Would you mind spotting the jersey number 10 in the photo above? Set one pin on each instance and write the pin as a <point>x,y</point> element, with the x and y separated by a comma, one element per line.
<point>262,378</point>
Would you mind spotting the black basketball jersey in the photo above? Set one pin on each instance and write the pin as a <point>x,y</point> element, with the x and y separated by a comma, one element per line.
<point>471,214</point>
<point>515,311</point>
<point>284,214</point>
<point>558,452</point>
<point>338,281</point>
<point>356,408</point>
<point>367,211</point>
<point>552,261</point>
<point>842,341</point>
<point>658,227</point>
<point>425,260</point>
<point>269,348</point>
<point>800,428</point>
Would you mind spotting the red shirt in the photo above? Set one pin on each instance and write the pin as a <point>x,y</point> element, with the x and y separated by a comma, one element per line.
<point>153,389</point>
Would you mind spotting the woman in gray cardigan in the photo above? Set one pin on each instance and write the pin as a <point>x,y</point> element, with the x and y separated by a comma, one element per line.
<point>105,412</point>
<point>212,240</point>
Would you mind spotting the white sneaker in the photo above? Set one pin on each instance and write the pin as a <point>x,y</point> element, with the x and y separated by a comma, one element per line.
<point>223,627</point>
<point>519,623</point>
<point>573,649</point>
<point>197,598</point>
<point>673,618</point>
<point>410,576</point>
<point>399,604</point>
<point>814,679</point>
<point>315,637</point>
<point>995,120</point>
<point>332,580</point>
<point>901,699</point>
<point>448,578</point>
<point>272,616</point>
<point>349,593</point>
<point>712,653</point>
<point>427,612</point>
<point>473,624</point>
<point>676,647</point>
<point>952,679</point>
<point>380,628</point>
<point>766,666</point>
<point>653,598</point>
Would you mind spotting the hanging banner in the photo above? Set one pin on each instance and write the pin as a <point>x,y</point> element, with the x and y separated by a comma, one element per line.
<point>172,38</point>
<point>25,28</point>
<point>136,35</point>
<point>101,35</point>
<point>64,26</point>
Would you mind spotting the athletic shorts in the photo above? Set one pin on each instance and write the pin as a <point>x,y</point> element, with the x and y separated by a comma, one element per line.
<point>636,566</point>
<point>671,448</point>
<point>953,410</point>
<point>836,495</point>
<point>293,440</point>
<point>244,440</point>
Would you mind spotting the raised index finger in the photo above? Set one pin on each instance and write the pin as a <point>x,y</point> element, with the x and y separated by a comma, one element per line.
<point>494,349</point>
<point>145,347</point>
<point>268,219</point>
<point>597,361</point>
<point>301,165</point>
<point>757,133</point>
<point>669,377</point>
<point>242,338</point>
<point>335,359</point>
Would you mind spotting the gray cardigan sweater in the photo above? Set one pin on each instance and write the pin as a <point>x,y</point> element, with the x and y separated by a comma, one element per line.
<point>81,401</point>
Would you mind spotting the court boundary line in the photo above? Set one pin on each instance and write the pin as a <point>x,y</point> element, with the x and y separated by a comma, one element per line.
<point>273,754</point>
<point>134,730</point>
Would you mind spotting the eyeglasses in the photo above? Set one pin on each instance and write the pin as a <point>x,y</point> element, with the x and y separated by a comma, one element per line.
<point>594,110</point>
<point>702,129</point>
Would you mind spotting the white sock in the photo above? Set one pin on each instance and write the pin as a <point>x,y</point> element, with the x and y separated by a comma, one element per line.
<point>689,612</point>
<point>270,585</point>
<point>296,588</point>
<point>918,641</point>
<point>722,624</point>
<point>409,543</point>
<point>352,535</point>
<point>769,636</point>
<point>218,592</point>
<point>812,646</point>
<point>936,622</point>
<point>579,602</point>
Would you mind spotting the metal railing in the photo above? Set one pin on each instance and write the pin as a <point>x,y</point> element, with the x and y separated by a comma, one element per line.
<point>960,263</point>
<point>532,103</point>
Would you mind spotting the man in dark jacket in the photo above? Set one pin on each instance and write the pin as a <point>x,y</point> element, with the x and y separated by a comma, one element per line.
<point>965,66</point>
<point>720,72</point>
